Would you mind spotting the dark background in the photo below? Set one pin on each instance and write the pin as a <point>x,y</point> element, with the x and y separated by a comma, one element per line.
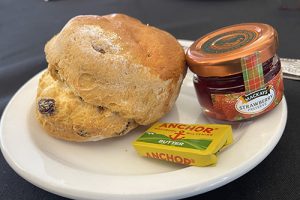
<point>25,27</point>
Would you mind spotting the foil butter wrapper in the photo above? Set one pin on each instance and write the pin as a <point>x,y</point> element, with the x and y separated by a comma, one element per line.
<point>187,144</point>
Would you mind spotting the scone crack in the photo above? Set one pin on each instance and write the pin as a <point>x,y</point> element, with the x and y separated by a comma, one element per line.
<point>82,133</point>
<point>100,108</point>
<point>98,49</point>
<point>124,131</point>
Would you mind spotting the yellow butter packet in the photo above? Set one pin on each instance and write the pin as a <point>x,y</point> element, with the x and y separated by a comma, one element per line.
<point>188,144</point>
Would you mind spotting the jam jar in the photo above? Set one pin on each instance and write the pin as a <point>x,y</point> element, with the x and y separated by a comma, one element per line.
<point>237,73</point>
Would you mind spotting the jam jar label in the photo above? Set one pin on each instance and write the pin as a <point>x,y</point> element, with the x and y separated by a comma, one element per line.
<point>256,101</point>
<point>242,105</point>
<point>228,41</point>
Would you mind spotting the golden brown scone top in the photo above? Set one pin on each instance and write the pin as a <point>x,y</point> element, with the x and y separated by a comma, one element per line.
<point>146,44</point>
<point>119,63</point>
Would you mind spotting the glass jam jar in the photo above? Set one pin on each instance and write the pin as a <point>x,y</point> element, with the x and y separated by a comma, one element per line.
<point>237,71</point>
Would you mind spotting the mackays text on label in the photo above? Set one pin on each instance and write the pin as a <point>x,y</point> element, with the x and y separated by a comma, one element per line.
<point>256,101</point>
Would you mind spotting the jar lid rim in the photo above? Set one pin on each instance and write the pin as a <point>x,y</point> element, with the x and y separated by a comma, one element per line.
<point>219,53</point>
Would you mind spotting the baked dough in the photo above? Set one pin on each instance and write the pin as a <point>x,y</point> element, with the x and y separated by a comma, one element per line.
<point>70,118</point>
<point>116,62</point>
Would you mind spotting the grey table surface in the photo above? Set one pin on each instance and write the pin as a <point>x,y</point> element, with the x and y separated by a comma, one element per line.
<point>25,27</point>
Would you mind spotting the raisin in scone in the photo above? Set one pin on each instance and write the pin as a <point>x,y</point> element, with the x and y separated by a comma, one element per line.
<point>118,63</point>
<point>66,116</point>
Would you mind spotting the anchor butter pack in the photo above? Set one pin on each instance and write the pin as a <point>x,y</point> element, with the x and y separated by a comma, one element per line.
<point>188,144</point>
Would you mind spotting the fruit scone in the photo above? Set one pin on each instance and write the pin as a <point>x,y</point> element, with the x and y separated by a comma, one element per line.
<point>109,74</point>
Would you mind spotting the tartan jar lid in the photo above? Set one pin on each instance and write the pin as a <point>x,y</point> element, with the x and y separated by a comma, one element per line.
<point>220,53</point>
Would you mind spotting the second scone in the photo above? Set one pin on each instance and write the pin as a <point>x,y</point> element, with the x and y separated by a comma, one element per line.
<point>117,62</point>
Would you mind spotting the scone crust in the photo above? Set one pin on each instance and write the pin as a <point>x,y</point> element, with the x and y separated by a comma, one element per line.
<point>119,63</point>
<point>75,120</point>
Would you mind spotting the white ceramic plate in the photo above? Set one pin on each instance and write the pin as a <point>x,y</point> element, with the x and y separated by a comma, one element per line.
<point>111,169</point>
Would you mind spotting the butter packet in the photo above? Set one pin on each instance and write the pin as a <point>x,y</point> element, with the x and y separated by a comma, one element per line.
<point>187,144</point>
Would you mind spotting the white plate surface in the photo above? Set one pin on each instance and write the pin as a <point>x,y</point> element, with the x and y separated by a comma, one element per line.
<point>111,169</point>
